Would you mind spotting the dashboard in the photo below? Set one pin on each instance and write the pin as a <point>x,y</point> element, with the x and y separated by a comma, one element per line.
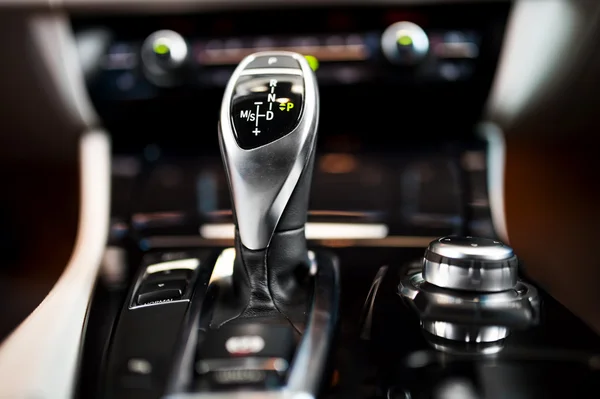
<point>386,72</point>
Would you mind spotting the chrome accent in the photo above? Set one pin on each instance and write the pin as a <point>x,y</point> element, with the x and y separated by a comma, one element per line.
<point>223,269</point>
<point>314,230</point>
<point>308,366</point>
<point>271,71</point>
<point>465,333</point>
<point>518,307</point>
<point>263,179</point>
<point>466,348</point>
<point>470,263</point>
<point>245,363</point>
<point>367,313</point>
<point>188,264</point>
<point>471,248</point>
<point>313,268</point>
<point>165,302</point>
<point>471,279</point>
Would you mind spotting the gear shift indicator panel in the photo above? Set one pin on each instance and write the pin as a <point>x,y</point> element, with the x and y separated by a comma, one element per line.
<point>265,108</point>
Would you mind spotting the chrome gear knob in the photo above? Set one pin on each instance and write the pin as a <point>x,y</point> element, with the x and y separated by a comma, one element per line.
<point>267,130</point>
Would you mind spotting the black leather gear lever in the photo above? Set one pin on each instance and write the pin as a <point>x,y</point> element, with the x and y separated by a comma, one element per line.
<point>267,130</point>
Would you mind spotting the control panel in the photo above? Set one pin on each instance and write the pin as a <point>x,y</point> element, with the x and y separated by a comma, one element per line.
<point>349,46</point>
<point>146,331</point>
<point>160,79</point>
<point>443,55</point>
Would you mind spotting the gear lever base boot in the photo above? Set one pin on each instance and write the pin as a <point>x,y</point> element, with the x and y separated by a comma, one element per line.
<point>267,136</point>
<point>270,283</point>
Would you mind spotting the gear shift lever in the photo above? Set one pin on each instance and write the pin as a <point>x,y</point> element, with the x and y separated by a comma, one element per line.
<point>270,329</point>
<point>267,130</point>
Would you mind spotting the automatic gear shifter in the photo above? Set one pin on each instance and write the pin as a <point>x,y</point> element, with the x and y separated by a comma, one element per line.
<point>271,326</point>
<point>268,127</point>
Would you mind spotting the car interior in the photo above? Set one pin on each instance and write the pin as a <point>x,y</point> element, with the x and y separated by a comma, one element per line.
<point>301,199</point>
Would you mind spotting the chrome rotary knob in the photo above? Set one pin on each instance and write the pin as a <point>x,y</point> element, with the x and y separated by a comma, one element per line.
<point>164,57</point>
<point>470,264</point>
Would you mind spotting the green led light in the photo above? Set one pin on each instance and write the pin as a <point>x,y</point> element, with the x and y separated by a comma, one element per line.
<point>312,61</point>
<point>405,40</point>
<point>161,48</point>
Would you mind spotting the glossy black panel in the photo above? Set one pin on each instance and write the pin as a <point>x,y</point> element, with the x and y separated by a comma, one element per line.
<point>265,108</point>
<point>142,350</point>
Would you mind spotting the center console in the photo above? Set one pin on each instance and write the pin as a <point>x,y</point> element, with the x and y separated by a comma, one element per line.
<point>250,256</point>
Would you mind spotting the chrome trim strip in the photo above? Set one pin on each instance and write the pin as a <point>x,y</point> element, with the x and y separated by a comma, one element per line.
<point>271,71</point>
<point>469,248</point>
<point>314,231</point>
<point>445,274</point>
<point>188,264</point>
<point>464,333</point>
<point>223,269</point>
<point>515,308</point>
<point>167,302</point>
<point>311,357</point>
<point>277,364</point>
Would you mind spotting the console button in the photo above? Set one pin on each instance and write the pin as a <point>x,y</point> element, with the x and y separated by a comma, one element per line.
<point>169,275</point>
<point>265,108</point>
<point>248,378</point>
<point>404,43</point>
<point>252,355</point>
<point>249,340</point>
<point>161,291</point>
<point>280,61</point>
